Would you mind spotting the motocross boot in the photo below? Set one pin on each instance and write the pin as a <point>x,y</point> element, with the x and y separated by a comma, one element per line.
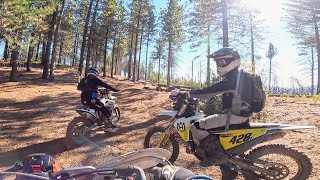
<point>211,152</point>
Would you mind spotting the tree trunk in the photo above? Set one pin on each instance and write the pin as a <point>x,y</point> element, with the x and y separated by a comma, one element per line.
<point>30,55</point>
<point>169,61</point>
<point>60,51</point>
<point>140,50</point>
<point>5,52</point>
<point>225,23</point>
<point>84,37</point>
<point>270,76</point>
<point>146,71</point>
<point>90,36</point>
<point>136,46</point>
<point>14,63</point>
<point>118,58</point>
<point>312,71</point>
<point>253,63</point>
<point>208,59</point>
<point>37,52</point>
<point>318,51</point>
<point>43,56</point>
<point>75,47</point>
<point>192,70</point>
<point>55,41</point>
<point>112,60</point>
<point>48,47</point>
<point>159,70</point>
<point>130,55</point>
<point>105,53</point>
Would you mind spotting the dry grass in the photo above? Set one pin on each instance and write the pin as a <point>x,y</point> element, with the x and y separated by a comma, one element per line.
<point>34,114</point>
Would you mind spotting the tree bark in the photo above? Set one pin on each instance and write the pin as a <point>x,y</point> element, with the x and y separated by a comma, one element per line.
<point>14,63</point>
<point>30,55</point>
<point>75,46</point>
<point>312,71</point>
<point>105,53</point>
<point>48,47</point>
<point>253,63</point>
<point>60,51</point>
<point>84,37</point>
<point>146,71</point>
<point>55,41</point>
<point>159,70</point>
<point>169,61</point>
<point>5,52</point>
<point>43,49</point>
<point>318,50</point>
<point>37,52</point>
<point>208,59</point>
<point>118,58</point>
<point>112,60</point>
<point>90,37</point>
<point>140,50</point>
<point>130,55</point>
<point>270,76</point>
<point>225,23</point>
<point>136,46</point>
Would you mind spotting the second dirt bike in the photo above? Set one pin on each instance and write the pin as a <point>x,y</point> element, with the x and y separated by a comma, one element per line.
<point>80,129</point>
<point>265,162</point>
<point>137,165</point>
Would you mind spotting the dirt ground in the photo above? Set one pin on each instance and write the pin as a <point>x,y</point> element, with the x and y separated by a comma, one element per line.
<point>34,114</point>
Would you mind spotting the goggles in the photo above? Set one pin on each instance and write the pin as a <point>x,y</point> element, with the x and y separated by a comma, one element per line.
<point>223,62</point>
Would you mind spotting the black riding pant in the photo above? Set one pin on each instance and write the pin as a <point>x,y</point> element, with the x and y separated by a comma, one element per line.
<point>98,106</point>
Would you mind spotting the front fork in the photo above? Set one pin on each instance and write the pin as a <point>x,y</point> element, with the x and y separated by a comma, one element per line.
<point>165,137</point>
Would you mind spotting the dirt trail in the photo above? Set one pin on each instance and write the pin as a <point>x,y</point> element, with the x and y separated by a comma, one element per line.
<point>34,114</point>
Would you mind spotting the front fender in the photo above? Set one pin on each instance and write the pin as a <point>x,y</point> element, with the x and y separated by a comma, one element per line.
<point>168,113</point>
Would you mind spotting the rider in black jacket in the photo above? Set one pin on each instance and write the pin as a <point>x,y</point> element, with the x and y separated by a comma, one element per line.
<point>89,97</point>
<point>236,93</point>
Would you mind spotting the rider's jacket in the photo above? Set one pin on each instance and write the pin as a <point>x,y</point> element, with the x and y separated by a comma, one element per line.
<point>227,88</point>
<point>94,84</point>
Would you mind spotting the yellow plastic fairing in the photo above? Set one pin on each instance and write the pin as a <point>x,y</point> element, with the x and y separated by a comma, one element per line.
<point>241,136</point>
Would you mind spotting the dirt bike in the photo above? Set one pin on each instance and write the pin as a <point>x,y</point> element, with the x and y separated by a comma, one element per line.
<point>138,165</point>
<point>80,129</point>
<point>259,163</point>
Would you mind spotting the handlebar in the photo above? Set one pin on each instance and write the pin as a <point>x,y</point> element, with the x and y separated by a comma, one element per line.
<point>70,173</point>
<point>104,91</point>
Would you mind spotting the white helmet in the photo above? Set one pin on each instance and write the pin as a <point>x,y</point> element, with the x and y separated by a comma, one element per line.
<point>226,59</point>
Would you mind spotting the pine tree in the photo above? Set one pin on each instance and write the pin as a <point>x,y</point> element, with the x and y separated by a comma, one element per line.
<point>303,18</point>
<point>173,32</point>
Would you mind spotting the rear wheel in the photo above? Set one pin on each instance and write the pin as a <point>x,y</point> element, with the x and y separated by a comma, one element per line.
<point>153,137</point>
<point>78,132</point>
<point>280,162</point>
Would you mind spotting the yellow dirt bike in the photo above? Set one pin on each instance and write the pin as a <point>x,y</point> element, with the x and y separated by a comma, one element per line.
<point>265,162</point>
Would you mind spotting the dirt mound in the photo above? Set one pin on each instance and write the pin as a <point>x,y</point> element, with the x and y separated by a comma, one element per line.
<point>34,114</point>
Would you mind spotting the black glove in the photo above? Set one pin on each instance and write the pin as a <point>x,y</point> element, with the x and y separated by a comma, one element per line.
<point>115,90</point>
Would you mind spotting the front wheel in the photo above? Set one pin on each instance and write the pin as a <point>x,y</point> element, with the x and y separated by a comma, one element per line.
<point>153,137</point>
<point>115,118</point>
<point>78,132</point>
<point>280,162</point>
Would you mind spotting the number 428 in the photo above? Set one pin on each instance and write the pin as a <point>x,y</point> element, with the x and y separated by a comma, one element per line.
<point>241,138</point>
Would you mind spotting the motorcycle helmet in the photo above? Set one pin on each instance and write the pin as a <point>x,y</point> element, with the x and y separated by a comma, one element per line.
<point>93,71</point>
<point>226,59</point>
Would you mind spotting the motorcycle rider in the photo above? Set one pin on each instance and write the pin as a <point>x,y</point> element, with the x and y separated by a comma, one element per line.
<point>89,95</point>
<point>235,105</point>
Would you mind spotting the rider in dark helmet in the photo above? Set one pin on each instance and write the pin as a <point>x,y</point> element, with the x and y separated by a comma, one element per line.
<point>234,106</point>
<point>89,97</point>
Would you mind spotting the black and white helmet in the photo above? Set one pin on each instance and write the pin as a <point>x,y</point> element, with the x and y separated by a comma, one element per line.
<point>226,59</point>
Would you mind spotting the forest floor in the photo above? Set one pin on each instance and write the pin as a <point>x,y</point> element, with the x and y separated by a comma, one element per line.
<point>34,115</point>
